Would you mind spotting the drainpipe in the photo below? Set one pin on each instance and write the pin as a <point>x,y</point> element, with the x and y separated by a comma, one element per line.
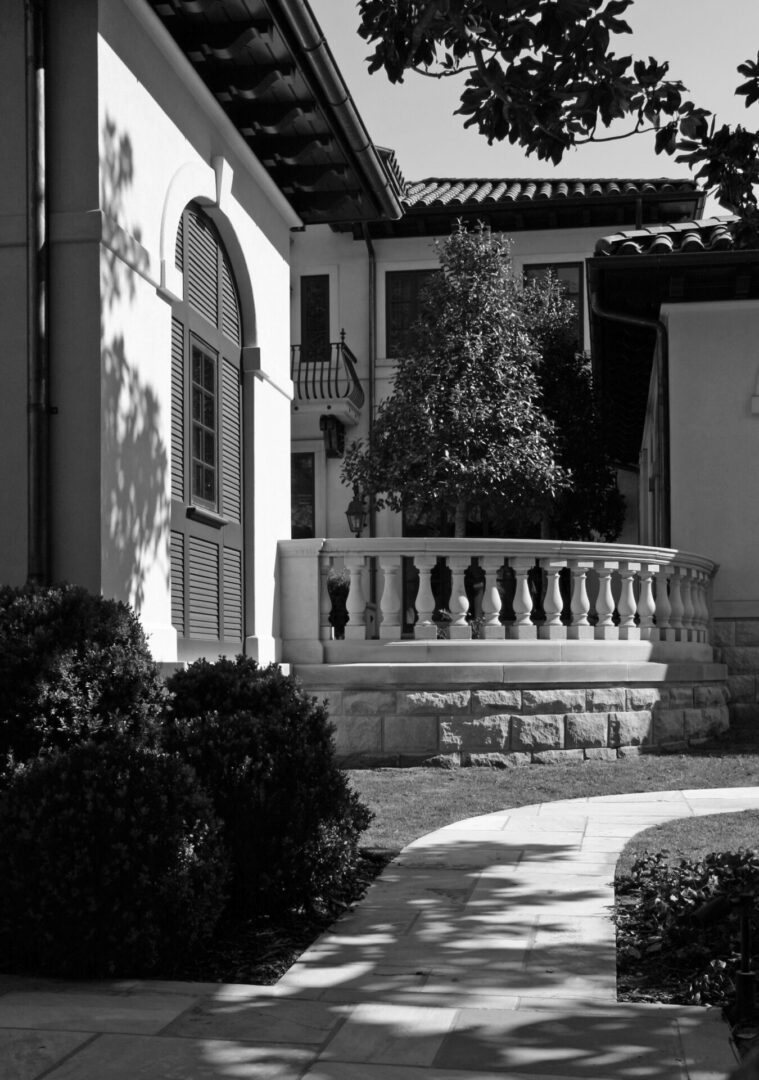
<point>38,553</point>
<point>662,399</point>
<point>372,344</point>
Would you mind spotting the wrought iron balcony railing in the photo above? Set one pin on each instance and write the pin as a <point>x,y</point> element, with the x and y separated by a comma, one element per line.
<point>326,374</point>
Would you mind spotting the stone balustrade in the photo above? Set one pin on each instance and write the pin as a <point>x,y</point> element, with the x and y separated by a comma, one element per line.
<point>489,592</point>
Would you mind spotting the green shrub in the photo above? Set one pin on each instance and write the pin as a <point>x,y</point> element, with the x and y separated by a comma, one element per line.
<point>73,666</point>
<point>111,862</point>
<point>678,927</point>
<point>263,750</point>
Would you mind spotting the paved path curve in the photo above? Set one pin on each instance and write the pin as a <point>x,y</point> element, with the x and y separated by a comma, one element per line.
<point>485,949</point>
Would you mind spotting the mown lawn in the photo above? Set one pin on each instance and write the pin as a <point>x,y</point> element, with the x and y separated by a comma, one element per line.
<point>408,803</point>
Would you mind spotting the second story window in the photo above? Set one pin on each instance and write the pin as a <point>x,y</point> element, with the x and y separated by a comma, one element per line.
<point>314,317</point>
<point>569,278</point>
<point>403,290</point>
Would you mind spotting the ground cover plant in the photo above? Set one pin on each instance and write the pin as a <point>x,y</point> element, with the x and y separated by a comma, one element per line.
<point>678,914</point>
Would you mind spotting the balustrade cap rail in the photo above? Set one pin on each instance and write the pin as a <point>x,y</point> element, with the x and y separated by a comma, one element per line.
<point>555,550</point>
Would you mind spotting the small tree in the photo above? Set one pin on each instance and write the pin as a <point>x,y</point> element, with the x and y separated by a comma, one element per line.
<point>463,434</point>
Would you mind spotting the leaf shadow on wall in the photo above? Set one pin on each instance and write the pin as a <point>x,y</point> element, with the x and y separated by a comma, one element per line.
<point>135,464</point>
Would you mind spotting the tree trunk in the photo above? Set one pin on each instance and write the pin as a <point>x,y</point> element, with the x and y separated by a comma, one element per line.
<point>459,521</point>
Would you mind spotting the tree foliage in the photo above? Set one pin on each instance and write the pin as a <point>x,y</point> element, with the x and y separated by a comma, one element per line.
<point>543,74</point>
<point>464,434</point>
<point>591,506</point>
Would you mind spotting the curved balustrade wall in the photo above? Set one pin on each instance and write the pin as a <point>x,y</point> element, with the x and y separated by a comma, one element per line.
<point>501,590</point>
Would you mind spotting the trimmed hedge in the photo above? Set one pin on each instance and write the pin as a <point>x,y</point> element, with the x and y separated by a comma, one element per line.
<point>111,862</point>
<point>73,666</point>
<point>263,750</point>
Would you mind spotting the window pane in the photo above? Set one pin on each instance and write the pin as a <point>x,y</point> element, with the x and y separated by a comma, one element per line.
<point>209,451</point>
<point>204,424</point>
<point>569,278</point>
<point>209,412</point>
<point>303,502</point>
<point>403,290</point>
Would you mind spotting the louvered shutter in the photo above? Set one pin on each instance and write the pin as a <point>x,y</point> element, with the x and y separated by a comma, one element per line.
<point>207,541</point>
<point>203,578</point>
<point>201,277</point>
<point>177,409</point>
<point>231,447</point>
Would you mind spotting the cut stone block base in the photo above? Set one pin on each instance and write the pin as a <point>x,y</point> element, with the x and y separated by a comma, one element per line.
<point>403,717</point>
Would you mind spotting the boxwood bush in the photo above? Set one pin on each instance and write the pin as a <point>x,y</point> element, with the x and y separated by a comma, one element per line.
<point>111,862</point>
<point>263,750</point>
<point>73,666</point>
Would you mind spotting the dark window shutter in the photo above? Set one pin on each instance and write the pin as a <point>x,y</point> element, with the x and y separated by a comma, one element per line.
<point>233,621</point>
<point>204,614</point>
<point>177,409</point>
<point>201,270</point>
<point>177,582</point>
<point>230,305</point>
<point>231,441</point>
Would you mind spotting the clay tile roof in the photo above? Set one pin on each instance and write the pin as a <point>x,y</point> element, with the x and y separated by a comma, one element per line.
<point>435,192</point>
<point>711,234</point>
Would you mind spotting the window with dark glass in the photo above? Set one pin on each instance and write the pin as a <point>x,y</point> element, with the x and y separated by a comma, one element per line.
<point>569,279</point>
<point>314,317</point>
<point>204,425</point>
<point>403,291</point>
<point>303,509</point>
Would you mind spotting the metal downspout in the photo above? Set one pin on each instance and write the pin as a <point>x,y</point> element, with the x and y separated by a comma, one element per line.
<point>662,400</point>
<point>372,345</point>
<point>38,518</point>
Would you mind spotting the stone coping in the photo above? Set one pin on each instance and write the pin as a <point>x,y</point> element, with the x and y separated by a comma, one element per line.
<point>399,676</point>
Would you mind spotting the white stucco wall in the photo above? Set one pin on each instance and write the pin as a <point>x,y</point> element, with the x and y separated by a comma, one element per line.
<point>714,443</point>
<point>163,142</point>
<point>134,136</point>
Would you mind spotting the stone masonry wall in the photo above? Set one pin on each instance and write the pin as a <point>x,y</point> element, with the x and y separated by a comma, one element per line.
<point>519,726</point>
<point>736,644</point>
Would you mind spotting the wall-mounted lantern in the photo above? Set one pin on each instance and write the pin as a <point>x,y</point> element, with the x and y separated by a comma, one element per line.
<point>357,513</point>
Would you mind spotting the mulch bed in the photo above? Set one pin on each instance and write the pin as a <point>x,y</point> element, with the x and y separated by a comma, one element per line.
<point>260,950</point>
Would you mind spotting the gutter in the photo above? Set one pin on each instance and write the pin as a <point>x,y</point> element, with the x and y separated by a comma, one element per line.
<point>662,338</point>
<point>327,77</point>
<point>38,362</point>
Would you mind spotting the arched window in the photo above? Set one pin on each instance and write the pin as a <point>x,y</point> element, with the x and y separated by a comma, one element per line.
<point>207,543</point>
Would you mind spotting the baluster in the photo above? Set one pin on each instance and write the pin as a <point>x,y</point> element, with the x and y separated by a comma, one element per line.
<point>553,603</point>
<point>627,607</point>
<point>605,630</point>
<point>646,603</point>
<point>459,627</point>
<point>425,629</point>
<point>580,604</point>
<point>390,599</point>
<point>665,630</point>
<point>704,598</point>
<point>676,603</point>
<point>356,605</point>
<point>325,600</point>
<point>689,633</point>
<point>491,599</point>
<point>704,605</point>
<point>523,626</point>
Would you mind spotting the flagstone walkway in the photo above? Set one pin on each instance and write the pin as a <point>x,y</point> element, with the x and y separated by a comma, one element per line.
<point>485,949</point>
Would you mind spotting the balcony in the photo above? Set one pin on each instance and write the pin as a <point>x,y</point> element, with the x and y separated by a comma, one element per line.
<point>484,601</point>
<point>503,652</point>
<point>326,382</point>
